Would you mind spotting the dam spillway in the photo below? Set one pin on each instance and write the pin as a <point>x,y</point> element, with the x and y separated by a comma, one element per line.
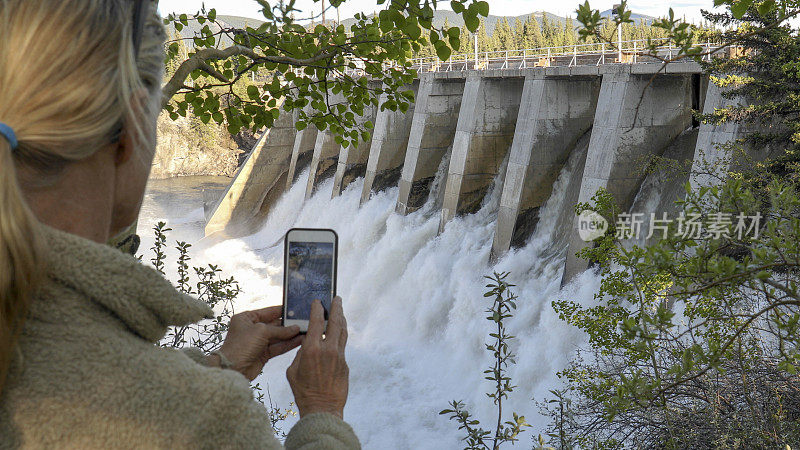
<point>516,128</point>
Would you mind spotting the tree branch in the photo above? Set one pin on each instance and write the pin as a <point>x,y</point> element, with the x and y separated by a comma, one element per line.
<point>200,61</point>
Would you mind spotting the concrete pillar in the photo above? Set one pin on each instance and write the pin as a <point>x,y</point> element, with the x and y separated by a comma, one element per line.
<point>622,139</point>
<point>553,114</point>
<point>388,149</point>
<point>323,162</point>
<point>302,152</point>
<point>712,163</point>
<point>258,183</point>
<point>485,130</point>
<point>432,131</point>
<point>352,162</point>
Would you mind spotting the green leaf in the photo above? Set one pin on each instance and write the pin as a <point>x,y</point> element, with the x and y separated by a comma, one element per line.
<point>252,92</point>
<point>413,30</point>
<point>739,8</point>
<point>766,7</point>
<point>455,43</point>
<point>234,128</point>
<point>443,51</point>
<point>472,22</point>
<point>482,8</point>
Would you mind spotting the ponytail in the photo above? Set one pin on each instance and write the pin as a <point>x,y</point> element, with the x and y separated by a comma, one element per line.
<point>20,258</point>
<point>66,86</point>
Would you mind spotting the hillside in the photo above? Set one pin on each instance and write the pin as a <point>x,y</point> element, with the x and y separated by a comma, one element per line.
<point>225,21</point>
<point>455,20</point>
<point>636,17</point>
<point>439,19</point>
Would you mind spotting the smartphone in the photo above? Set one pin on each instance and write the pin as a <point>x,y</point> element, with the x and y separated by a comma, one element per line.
<point>309,273</point>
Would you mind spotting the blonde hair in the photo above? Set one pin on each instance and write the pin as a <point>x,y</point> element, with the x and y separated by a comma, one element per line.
<point>69,80</point>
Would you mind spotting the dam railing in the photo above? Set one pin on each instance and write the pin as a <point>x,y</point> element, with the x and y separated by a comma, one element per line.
<point>594,54</point>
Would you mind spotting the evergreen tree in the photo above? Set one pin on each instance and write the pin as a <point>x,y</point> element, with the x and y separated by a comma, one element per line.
<point>539,31</point>
<point>570,36</point>
<point>467,40</point>
<point>519,34</point>
<point>484,43</point>
<point>536,37</point>
<point>503,37</point>
<point>175,40</point>
<point>547,31</point>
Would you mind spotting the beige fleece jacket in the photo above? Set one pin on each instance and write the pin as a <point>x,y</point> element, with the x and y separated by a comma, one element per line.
<point>89,375</point>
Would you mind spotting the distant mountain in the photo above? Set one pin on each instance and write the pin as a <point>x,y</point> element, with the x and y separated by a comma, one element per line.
<point>455,20</point>
<point>636,17</point>
<point>193,28</point>
<point>439,19</point>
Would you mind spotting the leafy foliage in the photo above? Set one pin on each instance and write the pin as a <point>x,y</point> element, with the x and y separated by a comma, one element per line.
<point>320,72</point>
<point>219,293</point>
<point>503,305</point>
<point>694,328</point>
<point>693,340</point>
<point>210,287</point>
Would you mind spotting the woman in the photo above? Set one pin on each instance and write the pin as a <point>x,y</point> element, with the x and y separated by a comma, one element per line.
<point>79,368</point>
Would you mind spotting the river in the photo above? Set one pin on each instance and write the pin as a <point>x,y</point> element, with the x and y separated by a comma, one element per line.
<point>413,299</point>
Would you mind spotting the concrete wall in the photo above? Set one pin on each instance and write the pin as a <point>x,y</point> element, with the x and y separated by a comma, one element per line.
<point>486,123</point>
<point>432,131</point>
<point>554,113</point>
<point>352,162</point>
<point>323,162</point>
<point>302,152</point>
<point>622,138</point>
<point>260,179</point>
<point>388,149</point>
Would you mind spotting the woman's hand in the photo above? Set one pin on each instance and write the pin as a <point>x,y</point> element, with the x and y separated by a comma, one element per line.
<point>319,374</point>
<point>256,336</point>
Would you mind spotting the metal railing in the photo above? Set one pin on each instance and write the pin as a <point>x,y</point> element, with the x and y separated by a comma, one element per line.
<point>628,52</point>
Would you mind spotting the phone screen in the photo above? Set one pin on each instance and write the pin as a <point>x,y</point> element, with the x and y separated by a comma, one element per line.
<point>309,277</point>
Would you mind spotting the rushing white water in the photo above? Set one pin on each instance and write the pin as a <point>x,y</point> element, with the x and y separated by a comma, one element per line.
<point>415,308</point>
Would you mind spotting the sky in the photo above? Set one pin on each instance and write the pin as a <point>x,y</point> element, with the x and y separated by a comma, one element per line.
<point>249,8</point>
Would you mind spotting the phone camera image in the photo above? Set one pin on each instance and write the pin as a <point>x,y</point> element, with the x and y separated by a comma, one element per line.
<point>310,273</point>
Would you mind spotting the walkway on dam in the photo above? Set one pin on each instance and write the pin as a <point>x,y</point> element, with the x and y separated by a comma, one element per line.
<point>599,54</point>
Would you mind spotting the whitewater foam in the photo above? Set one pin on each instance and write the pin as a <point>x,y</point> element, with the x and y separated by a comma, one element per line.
<point>415,308</point>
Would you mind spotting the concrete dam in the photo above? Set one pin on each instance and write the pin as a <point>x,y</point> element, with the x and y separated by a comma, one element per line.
<point>508,130</point>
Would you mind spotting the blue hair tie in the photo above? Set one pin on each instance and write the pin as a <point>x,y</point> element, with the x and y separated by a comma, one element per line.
<point>8,133</point>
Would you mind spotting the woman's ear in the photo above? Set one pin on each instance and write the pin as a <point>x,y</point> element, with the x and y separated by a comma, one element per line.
<point>125,149</point>
<point>127,141</point>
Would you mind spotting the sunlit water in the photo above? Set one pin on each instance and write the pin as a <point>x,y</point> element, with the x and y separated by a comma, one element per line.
<point>414,303</point>
<point>178,201</point>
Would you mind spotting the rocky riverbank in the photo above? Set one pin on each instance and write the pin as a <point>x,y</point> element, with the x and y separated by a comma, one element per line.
<point>188,147</point>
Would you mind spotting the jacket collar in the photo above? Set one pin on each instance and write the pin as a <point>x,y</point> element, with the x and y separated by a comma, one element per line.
<point>140,296</point>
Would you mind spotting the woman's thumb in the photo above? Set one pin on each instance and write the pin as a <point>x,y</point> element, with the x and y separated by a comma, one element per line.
<point>283,333</point>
